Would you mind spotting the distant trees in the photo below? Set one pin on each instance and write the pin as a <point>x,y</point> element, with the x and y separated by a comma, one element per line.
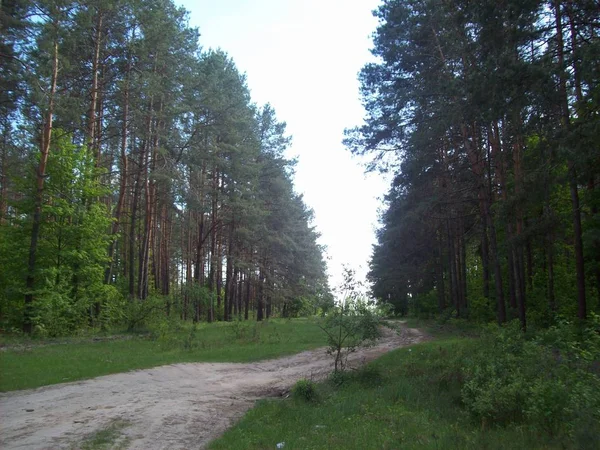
<point>488,114</point>
<point>134,165</point>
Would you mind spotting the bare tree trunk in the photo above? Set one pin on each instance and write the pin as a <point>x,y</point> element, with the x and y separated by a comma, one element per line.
<point>260,295</point>
<point>229,274</point>
<point>485,198</point>
<point>452,269</point>
<point>92,122</point>
<point>518,259</point>
<point>576,212</point>
<point>123,180</point>
<point>132,232</point>
<point>463,265</point>
<point>441,291</point>
<point>248,292</point>
<point>3,174</point>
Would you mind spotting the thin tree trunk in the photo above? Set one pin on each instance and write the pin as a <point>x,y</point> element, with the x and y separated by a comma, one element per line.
<point>260,295</point>
<point>441,291</point>
<point>576,212</point>
<point>132,232</point>
<point>123,180</point>
<point>39,195</point>
<point>92,122</point>
<point>452,268</point>
<point>248,294</point>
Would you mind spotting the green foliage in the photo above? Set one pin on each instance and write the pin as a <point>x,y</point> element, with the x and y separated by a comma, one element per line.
<point>415,403</point>
<point>424,306</point>
<point>545,380</point>
<point>543,393</point>
<point>486,114</point>
<point>71,255</point>
<point>349,325</point>
<point>156,147</point>
<point>140,314</point>
<point>305,390</point>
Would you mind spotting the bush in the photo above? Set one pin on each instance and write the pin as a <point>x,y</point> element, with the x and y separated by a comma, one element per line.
<point>348,327</point>
<point>140,314</point>
<point>305,390</point>
<point>545,380</point>
<point>351,324</point>
<point>339,378</point>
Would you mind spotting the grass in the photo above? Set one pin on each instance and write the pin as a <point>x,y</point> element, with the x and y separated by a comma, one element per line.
<point>410,399</point>
<point>33,363</point>
<point>110,437</point>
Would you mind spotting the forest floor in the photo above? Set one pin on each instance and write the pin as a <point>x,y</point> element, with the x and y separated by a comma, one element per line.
<point>178,406</point>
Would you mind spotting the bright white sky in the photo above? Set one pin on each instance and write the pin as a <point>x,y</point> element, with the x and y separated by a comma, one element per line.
<point>303,57</point>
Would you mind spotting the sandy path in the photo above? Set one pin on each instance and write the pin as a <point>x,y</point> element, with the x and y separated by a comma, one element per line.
<point>179,406</point>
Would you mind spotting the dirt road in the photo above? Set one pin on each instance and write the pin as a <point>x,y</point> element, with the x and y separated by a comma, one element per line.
<point>179,406</point>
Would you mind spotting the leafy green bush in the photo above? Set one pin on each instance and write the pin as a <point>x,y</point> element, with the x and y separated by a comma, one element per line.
<point>545,380</point>
<point>141,314</point>
<point>350,324</point>
<point>305,390</point>
<point>339,378</point>
<point>348,327</point>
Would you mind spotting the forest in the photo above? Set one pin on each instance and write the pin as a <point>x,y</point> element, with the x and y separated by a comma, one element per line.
<point>137,175</point>
<point>487,115</point>
<point>162,279</point>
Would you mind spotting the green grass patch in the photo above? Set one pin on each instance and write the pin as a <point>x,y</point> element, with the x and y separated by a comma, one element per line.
<point>410,398</point>
<point>28,363</point>
<point>109,437</point>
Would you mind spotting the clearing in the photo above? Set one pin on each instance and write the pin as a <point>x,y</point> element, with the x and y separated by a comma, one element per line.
<point>179,406</point>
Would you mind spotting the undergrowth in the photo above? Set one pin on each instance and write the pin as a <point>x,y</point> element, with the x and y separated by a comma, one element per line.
<point>502,390</point>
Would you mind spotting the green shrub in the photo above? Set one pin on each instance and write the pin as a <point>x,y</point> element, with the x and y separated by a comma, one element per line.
<point>544,380</point>
<point>350,324</point>
<point>305,390</point>
<point>339,378</point>
<point>141,314</point>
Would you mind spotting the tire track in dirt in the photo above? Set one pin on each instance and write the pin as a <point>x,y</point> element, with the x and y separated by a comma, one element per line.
<point>178,406</point>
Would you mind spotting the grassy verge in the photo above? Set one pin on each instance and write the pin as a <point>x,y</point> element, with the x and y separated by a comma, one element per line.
<point>30,363</point>
<point>410,399</point>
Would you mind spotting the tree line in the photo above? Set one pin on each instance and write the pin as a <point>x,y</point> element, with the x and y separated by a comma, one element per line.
<point>135,169</point>
<point>487,114</point>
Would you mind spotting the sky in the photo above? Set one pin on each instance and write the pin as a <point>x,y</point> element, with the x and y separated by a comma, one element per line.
<point>303,57</point>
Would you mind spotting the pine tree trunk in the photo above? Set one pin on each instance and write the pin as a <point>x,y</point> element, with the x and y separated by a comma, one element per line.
<point>122,183</point>
<point>248,293</point>
<point>39,195</point>
<point>92,122</point>
<point>4,174</point>
<point>576,212</point>
<point>441,291</point>
<point>260,295</point>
